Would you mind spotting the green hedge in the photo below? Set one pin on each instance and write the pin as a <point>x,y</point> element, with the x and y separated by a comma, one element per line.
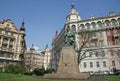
<point>15,69</point>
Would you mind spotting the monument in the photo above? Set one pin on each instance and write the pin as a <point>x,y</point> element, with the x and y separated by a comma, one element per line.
<point>68,66</point>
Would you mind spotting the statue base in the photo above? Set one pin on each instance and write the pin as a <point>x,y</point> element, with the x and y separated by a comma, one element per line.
<point>68,66</point>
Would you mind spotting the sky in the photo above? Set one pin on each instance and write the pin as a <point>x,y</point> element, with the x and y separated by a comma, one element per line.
<point>43,17</point>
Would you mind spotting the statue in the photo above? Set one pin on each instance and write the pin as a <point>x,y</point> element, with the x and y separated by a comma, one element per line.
<point>69,37</point>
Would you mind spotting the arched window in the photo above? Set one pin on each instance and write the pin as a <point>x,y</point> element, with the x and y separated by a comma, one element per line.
<point>93,25</point>
<point>68,26</point>
<point>7,25</point>
<point>73,27</point>
<point>107,23</point>
<point>82,26</point>
<point>115,32</point>
<point>108,33</point>
<point>99,24</point>
<point>118,20</point>
<point>113,22</point>
<point>87,25</point>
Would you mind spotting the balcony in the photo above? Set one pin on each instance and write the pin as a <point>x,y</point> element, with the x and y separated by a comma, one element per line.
<point>116,35</point>
<point>95,38</point>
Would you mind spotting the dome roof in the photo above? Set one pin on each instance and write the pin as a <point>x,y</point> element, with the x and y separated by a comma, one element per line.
<point>32,48</point>
<point>73,10</point>
<point>73,15</point>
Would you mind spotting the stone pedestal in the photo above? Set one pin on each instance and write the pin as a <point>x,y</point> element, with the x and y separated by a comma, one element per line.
<point>68,66</point>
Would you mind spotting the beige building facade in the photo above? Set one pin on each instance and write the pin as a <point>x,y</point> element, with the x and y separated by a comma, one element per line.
<point>12,44</point>
<point>37,59</point>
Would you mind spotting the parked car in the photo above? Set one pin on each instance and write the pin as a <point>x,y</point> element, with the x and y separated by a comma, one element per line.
<point>105,73</point>
<point>117,72</point>
<point>91,73</point>
<point>98,73</point>
<point>111,73</point>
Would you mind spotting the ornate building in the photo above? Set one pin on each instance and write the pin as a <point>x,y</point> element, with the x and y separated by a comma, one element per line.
<point>105,41</point>
<point>37,58</point>
<point>12,44</point>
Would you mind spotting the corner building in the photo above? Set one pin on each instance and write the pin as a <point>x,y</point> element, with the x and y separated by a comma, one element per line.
<point>106,41</point>
<point>38,59</point>
<point>12,44</point>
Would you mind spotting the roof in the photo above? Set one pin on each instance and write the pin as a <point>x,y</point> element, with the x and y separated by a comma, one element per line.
<point>73,10</point>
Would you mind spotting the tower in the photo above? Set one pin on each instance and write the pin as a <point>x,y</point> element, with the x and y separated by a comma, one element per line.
<point>73,15</point>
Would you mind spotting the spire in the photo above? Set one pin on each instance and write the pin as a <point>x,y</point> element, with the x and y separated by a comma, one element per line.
<point>22,26</point>
<point>46,47</point>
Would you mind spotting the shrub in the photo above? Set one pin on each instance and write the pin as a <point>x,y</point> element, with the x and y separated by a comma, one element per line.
<point>39,71</point>
<point>15,69</point>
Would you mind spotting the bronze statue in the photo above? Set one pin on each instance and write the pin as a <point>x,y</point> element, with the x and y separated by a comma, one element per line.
<point>69,37</point>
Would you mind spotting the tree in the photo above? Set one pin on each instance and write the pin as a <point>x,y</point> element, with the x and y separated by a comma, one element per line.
<point>84,37</point>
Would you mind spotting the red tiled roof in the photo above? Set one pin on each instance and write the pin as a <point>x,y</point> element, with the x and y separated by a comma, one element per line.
<point>15,28</point>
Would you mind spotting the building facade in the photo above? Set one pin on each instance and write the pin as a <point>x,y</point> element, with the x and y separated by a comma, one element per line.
<point>12,44</point>
<point>105,41</point>
<point>37,59</point>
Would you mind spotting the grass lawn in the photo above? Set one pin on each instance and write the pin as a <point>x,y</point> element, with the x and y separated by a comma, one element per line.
<point>16,77</point>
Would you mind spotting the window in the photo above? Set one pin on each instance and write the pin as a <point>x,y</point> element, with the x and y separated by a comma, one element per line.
<point>99,24</point>
<point>73,27</point>
<point>91,64</point>
<point>115,32</point>
<point>6,33</point>
<point>113,22</point>
<point>4,46</point>
<point>118,53</point>
<point>87,25</point>
<point>117,41</point>
<point>95,42</point>
<point>104,63</point>
<point>113,63</point>
<point>112,52</point>
<point>102,43</point>
<point>103,53</point>
<point>101,34</point>
<point>108,33</point>
<point>89,44</point>
<point>118,21</point>
<point>5,40</point>
<point>93,25</point>
<point>1,55</point>
<point>7,25</point>
<point>97,64</point>
<point>0,31</point>
<point>107,23</point>
<point>96,53</point>
<point>90,54</point>
<point>82,26</point>
<point>85,65</point>
<point>12,34</point>
<point>109,42</point>
<point>94,34</point>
